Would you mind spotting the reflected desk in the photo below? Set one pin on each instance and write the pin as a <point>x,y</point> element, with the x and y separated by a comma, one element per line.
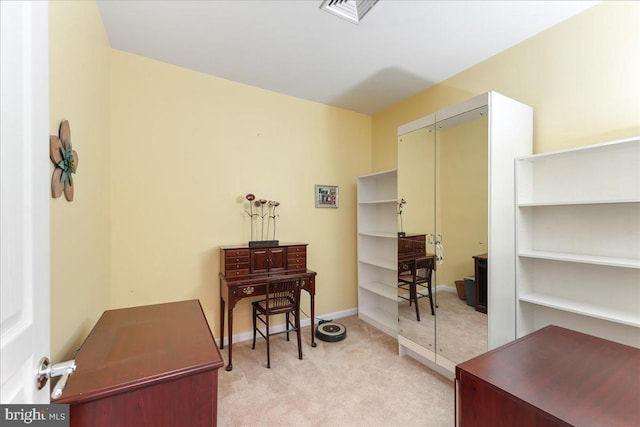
<point>411,246</point>
<point>243,274</point>
<point>413,258</point>
<point>413,272</point>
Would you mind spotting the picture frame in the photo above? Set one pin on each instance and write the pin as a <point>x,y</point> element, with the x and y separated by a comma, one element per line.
<point>326,196</point>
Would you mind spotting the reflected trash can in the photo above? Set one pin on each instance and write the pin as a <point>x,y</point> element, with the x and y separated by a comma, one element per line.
<point>460,289</point>
<point>470,290</point>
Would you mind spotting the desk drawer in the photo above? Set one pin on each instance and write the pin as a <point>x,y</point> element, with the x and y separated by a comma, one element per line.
<point>230,253</point>
<point>300,257</point>
<point>236,259</point>
<point>229,267</point>
<point>236,262</point>
<point>408,264</point>
<point>237,273</point>
<point>291,250</point>
<point>296,257</point>
<point>297,264</point>
<point>248,290</point>
<point>405,266</point>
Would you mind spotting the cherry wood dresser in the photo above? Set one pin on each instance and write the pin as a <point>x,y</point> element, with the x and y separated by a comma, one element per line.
<point>154,365</point>
<point>242,260</point>
<point>551,377</point>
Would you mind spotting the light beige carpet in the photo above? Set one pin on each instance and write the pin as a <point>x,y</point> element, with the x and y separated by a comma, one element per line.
<point>360,381</point>
<point>460,331</point>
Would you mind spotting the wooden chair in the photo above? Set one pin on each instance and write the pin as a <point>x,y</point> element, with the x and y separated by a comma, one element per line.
<point>419,272</point>
<point>282,296</point>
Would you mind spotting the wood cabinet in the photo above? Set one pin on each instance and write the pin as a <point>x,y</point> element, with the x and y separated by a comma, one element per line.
<point>578,227</point>
<point>480,271</point>
<point>552,377</point>
<point>378,250</point>
<point>154,365</point>
<point>235,261</point>
<point>268,259</point>
<point>411,246</point>
<point>297,257</point>
<point>241,260</point>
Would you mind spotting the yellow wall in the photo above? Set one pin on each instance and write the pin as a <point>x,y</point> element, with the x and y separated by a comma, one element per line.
<point>80,231</point>
<point>186,147</point>
<point>462,199</point>
<point>166,155</point>
<point>580,77</point>
<point>416,181</point>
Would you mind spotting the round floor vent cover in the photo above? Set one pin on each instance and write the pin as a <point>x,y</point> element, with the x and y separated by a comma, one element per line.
<point>331,331</point>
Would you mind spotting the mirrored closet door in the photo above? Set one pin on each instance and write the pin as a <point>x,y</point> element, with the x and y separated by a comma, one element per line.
<point>461,234</point>
<point>416,223</point>
<point>456,228</point>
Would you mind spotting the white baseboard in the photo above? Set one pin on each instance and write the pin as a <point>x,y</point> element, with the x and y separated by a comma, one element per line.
<point>246,336</point>
<point>428,358</point>
<point>445,288</point>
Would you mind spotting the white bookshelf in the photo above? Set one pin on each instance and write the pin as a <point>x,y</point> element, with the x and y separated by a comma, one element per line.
<point>578,240</point>
<point>378,250</point>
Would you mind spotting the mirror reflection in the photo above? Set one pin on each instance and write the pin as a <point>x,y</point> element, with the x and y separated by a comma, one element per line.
<point>442,238</point>
<point>416,221</point>
<point>461,235</point>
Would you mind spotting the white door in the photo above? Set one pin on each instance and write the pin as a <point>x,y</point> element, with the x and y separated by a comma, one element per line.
<point>24,201</point>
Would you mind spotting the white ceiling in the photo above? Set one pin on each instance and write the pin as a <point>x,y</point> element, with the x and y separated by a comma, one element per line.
<point>292,47</point>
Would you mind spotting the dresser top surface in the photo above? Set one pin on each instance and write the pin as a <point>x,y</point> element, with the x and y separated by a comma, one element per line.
<point>131,347</point>
<point>250,279</point>
<point>577,378</point>
<point>246,245</point>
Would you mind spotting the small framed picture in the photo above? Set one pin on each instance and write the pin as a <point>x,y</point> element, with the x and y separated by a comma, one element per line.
<point>326,196</point>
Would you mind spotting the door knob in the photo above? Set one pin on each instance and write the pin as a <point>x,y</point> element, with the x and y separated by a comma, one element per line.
<point>46,371</point>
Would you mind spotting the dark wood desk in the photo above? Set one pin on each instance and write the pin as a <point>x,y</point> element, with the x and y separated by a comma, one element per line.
<point>552,377</point>
<point>243,274</point>
<point>154,365</point>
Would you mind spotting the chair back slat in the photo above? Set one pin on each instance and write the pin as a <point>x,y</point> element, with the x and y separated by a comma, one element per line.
<point>282,294</point>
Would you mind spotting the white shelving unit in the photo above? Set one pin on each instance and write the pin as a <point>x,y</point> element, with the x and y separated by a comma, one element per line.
<point>378,250</point>
<point>578,240</point>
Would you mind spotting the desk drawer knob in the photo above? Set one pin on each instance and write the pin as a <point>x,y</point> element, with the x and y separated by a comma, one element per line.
<point>248,290</point>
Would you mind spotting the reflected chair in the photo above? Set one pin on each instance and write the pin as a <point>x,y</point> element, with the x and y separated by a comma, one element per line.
<point>282,296</point>
<point>417,273</point>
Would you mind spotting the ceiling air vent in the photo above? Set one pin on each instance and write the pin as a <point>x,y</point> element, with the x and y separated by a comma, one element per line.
<point>351,10</point>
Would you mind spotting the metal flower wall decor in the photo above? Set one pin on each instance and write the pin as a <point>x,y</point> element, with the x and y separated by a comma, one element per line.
<point>65,160</point>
